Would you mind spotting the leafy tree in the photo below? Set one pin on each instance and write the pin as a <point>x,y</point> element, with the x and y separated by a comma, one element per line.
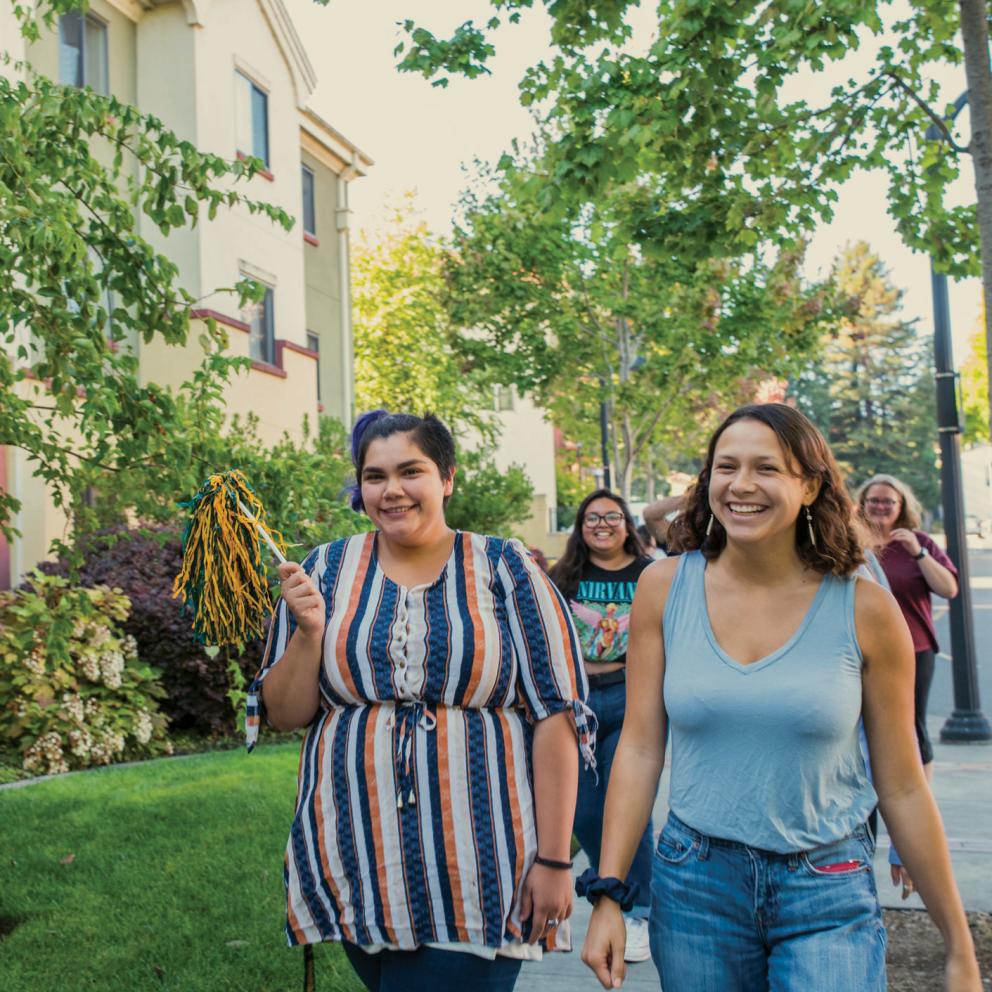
<point>871,390</point>
<point>301,481</point>
<point>570,307</point>
<point>487,500</point>
<point>79,285</point>
<point>710,105</point>
<point>407,357</point>
<point>975,388</point>
<point>404,358</point>
<point>571,483</point>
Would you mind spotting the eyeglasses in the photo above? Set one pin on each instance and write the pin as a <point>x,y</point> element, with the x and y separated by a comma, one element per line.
<point>614,518</point>
<point>885,503</point>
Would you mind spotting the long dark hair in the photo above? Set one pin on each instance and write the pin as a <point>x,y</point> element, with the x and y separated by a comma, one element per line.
<point>568,569</point>
<point>838,547</point>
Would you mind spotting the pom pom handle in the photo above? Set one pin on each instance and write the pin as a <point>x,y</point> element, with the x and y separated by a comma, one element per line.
<point>263,533</point>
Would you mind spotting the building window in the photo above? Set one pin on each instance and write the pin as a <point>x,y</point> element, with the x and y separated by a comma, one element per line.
<point>309,203</point>
<point>313,343</point>
<point>502,398</point>
<point>261,320</point>
<point>252,119</point>
<point>83,51</point>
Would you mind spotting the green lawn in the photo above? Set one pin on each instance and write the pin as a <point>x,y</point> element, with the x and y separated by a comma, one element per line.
<point>175,880</point>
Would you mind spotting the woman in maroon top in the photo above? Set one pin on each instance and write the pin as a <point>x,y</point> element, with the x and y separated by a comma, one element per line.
<point>915,567</point>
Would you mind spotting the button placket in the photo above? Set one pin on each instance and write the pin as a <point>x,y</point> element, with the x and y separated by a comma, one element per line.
<point>402,641</point>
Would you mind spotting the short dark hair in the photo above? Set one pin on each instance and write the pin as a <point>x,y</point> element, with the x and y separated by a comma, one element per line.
<point>838,548</point>
<point>427,433</point>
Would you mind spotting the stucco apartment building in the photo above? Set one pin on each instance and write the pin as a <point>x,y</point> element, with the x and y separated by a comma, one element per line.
<point>233,78</point>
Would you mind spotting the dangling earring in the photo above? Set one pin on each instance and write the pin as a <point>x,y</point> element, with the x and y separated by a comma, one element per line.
<point>709,526</point>
<point>809,524</point>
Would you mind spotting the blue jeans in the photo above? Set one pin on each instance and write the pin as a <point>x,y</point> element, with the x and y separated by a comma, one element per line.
<point>608,704</point>
<point>430,969</point>
<point>732,918</point>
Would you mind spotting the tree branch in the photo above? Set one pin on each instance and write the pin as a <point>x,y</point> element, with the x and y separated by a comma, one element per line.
<point>928,110</point>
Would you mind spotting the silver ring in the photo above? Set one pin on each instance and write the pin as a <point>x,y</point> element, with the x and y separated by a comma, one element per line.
<point>553,922</point>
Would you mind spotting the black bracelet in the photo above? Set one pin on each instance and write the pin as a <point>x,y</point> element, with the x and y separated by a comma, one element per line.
<point>590,885</point>
<point>550,863</point>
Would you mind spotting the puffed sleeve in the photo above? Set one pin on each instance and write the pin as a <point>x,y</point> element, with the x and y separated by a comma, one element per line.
<point>551,678</point>
<point>280,631</point>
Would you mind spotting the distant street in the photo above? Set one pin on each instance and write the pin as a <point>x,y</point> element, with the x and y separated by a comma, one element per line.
<point>942,693</point>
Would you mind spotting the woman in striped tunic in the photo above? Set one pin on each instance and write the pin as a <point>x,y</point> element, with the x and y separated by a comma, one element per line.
<point>439,676</point>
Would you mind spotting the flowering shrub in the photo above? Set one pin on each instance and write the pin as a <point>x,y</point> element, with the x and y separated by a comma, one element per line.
<point>198,681</point>
<point>72,691</point>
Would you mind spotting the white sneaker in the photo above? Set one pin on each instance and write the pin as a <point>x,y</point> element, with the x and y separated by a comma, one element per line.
<point>638,946</point>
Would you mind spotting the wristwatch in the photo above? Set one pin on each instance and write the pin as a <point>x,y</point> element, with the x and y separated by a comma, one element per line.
<point>923,553</point>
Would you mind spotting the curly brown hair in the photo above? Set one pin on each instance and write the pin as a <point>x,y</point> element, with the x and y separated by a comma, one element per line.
<point>839,546</point>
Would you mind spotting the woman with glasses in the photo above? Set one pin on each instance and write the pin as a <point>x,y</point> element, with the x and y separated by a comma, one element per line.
<point>915,567</point>
<point>597,575</point>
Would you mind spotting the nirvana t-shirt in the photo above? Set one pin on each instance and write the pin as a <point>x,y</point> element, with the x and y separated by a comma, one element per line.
<point>601,610</point>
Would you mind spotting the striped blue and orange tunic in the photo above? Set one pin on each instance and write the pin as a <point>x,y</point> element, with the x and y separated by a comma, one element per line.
<point>415,820</point>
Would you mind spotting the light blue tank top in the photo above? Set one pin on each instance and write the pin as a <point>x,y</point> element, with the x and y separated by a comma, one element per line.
<point>766,754</point>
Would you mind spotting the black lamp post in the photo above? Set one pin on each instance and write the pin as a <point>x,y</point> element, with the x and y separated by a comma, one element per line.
<point>604,434</point>
<point>966,723</point>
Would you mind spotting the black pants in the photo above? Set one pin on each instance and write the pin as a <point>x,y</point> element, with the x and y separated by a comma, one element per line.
<point>921,694</point>
<point>430,969</point>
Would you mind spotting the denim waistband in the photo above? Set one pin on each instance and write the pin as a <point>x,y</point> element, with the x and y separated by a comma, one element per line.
<point>704,842</point>
<point>606,679</point>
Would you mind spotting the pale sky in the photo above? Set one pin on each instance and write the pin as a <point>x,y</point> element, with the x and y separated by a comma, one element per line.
<point>421,137</point>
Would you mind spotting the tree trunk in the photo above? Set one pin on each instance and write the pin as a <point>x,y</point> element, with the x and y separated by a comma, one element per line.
<point>619,468</point>
<point>627,479</point>
<point>649,495</point>
<point>975,34</point>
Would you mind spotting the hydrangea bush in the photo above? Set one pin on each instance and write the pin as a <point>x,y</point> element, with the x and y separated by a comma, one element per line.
<point>198,681</point>
<point>72,690</point>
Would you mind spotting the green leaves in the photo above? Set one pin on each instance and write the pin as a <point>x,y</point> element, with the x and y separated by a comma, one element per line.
<point>407,354</point>
<point>487,499</point>
<point>81,289</point>
<point>465,53</point>
<point>714,87</point>
<point>72,691</point>
<point>870,387</point>
<point>635,299</point>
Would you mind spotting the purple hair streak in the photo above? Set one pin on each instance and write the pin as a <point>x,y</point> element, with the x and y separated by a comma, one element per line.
<point>362,424</point>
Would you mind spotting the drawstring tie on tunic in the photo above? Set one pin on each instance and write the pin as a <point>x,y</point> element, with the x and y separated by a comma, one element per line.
<point>404,720</point>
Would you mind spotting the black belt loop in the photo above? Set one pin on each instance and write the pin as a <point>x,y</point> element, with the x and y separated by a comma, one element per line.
<point>607,678</point>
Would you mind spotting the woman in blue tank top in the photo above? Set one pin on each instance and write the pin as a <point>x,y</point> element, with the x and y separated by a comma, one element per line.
<point>760,651</point>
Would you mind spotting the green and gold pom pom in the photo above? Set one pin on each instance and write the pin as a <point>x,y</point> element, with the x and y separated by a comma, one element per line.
<point>222,580</point>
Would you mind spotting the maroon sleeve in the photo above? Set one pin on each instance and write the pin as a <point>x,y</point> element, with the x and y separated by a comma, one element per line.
<point>936,551</point>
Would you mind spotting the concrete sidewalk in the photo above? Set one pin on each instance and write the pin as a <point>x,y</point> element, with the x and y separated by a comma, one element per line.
<point>963,787</point>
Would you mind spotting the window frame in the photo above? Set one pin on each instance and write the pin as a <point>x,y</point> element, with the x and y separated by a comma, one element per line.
<point>243,79</point>
<point>504,399</point>
<point>305,171</point>
<point>88,21</point>
<point>313,344</point>
<point>266,308</point>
